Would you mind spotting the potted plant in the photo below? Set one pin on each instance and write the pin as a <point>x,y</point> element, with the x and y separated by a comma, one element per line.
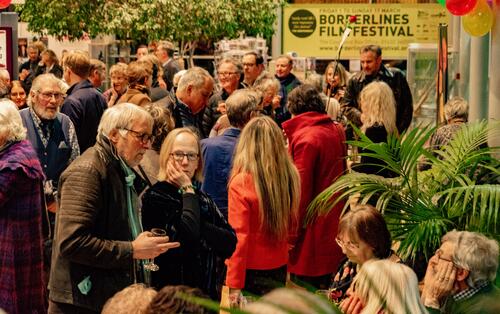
<point>461,190</point>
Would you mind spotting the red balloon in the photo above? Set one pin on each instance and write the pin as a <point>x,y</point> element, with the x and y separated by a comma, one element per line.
<point>4,3</point>
<point>460,7</point>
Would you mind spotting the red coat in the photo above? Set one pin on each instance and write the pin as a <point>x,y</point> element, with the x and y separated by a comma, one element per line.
<point>317,146</point>
<point>255,249</point>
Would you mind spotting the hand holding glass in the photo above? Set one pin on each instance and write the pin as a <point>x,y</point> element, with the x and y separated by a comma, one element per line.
<point>150,265</point>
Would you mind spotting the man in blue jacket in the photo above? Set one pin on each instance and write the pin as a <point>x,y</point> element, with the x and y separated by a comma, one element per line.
<point>84,104</point>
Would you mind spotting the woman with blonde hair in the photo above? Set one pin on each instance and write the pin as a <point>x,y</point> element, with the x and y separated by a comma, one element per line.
<point>335,83</point>
<point>188,215</point>
<point>386,287</point>
<point>378,115</point>
<point>263,198</point>
<point>119,83</point>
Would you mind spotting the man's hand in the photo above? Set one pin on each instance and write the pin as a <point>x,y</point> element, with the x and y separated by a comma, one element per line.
<point>438,283</point>
<point>24,74</point>
<point>147,246</point>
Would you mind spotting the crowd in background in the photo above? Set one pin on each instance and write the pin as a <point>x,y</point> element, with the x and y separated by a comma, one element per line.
<point>197,185</point>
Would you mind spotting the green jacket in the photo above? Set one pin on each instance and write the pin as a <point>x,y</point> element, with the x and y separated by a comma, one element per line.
<point>486,301</point>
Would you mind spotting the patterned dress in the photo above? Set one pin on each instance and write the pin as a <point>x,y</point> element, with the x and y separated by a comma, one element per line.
<point>22,286</point>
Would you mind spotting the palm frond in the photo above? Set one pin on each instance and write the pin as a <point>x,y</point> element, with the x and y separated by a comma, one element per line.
<point>351,184</point>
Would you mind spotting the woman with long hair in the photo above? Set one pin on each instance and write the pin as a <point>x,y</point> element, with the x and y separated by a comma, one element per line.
<point>378,115</point>
<point>335,83</point>
<point>263,196</point>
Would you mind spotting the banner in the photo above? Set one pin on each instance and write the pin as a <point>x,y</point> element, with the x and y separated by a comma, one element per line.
<point>315,30</point>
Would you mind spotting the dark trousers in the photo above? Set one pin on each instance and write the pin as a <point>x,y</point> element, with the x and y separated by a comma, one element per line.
<point>259,282</point>
<point>63,308</point>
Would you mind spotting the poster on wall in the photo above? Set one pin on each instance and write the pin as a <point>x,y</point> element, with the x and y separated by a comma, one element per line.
<point>6,49</point>
<point>315,30</point>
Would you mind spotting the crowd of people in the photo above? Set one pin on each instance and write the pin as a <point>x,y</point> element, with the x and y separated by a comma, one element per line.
<point>174,185</point>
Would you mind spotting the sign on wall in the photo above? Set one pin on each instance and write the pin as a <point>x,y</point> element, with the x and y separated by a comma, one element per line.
<point>315,30</point>
<point>6,49</point>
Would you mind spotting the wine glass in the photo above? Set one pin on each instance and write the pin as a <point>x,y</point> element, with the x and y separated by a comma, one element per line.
<point>150,265</point>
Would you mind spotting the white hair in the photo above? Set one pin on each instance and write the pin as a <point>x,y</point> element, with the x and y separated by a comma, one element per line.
<point>45,80</point>
<point>383,285</point>
<point>475,253</point>
<point>122,116</point>
<point>4,74</point>
<point>10,121</point>
<point>195,77</point>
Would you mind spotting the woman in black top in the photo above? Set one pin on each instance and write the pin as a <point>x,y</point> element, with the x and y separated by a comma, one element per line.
<point>378,115</point>
<point>189,216</point>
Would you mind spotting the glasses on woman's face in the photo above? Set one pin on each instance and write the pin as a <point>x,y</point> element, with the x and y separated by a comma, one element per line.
<point>179,156</point>
<point>346,244</point>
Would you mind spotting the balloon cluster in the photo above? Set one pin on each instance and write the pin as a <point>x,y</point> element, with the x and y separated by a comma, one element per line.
<point>4,3</point>
<point>477,16</point>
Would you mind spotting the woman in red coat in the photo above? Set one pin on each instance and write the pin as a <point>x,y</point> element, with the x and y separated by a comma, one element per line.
<point>263,197</point>
<point>317,146</point>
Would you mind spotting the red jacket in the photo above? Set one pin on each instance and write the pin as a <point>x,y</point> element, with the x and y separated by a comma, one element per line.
<point>317,146</point>
<point>255,249</point>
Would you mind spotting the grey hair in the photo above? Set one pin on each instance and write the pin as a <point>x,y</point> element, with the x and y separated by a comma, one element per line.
<point>238,66</point>
<point>11,122</point>
<point>43,80</point>
<point>475,253</point>
<point>240,106</point>
<point>122,116</point>
<point>195,77</point>
<point>456,107</point>
<point>315,80</point>
<point>266,82</point>
<point>4,74</point>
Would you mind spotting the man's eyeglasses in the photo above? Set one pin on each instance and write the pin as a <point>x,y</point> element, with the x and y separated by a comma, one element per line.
<point>346,245</point>
<point>226,73</point>
<point>49,95</point>
<point>249,64</point>
<point>438,254</point>
<point>179,156</point>
<point>143,137</point>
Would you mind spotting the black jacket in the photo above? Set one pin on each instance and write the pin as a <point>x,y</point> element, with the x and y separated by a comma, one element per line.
<point>206,237</point>
<point>84,106</point>
<point>396,80</point>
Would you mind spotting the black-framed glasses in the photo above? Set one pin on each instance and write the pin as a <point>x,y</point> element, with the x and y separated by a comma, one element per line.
<point>179,156</point>
<point>143,137</point>
<point>49,95</point>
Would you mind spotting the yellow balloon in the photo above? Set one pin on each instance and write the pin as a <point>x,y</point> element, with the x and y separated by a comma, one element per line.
<point>480,20</point>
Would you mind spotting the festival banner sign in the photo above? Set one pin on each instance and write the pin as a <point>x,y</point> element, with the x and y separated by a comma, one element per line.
<point>315,30</point>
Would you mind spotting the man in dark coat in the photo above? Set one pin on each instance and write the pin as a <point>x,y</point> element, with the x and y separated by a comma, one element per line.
<point>165,53</point>
<point>98,241</point>
<point>84,104</point>
<point>288,81</point>
<point>194,91</point>
<point>372,69</point>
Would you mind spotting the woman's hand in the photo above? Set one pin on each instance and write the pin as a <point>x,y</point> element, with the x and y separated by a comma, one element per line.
<point>235,298</point>
<point>351,305</point>
<point>176,176</point>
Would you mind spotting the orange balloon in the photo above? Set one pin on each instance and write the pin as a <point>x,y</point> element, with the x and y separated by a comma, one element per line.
<point>480,21</point>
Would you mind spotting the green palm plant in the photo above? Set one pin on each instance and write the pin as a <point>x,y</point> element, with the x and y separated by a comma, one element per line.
<point>460,191</point>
